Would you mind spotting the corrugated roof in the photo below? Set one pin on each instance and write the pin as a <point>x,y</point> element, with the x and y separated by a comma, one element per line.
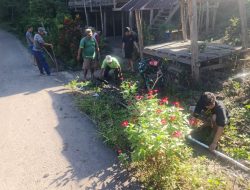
<point>129,5</point>
<point>159,4</point>
<point>147,4</point>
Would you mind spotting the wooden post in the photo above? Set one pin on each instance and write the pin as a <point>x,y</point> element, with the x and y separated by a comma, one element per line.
<point>101,17</point>
<point>183,20</point>
<point>207,16</point>
<point>140,33</point>
<point>151,17</point>
<point>202,16</point>
<point>105,23</point>
<point>91,7</point>
<point>192,9</point>
<point>122,23</point>
<point>113,20</point>
<point>243,17</point>
<point>131,19</point>
<point>199,15</point>
<point>86,13</point>
<point>217,4</point>
<point>96,21</point>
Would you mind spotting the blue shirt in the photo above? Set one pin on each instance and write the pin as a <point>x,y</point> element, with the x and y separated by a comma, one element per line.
<point>29,38</point>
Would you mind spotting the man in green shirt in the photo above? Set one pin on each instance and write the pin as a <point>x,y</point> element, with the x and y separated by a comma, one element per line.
<point>111,63</point>
<point>89,49</point>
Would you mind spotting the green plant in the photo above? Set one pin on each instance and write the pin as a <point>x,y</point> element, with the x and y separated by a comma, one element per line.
<point>124,159</point>
<point>149,138</point>
<point>157,132</point>
<point>232,32</point>
<point>129,89</point>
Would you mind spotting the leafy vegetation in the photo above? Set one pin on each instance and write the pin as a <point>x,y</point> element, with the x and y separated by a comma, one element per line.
<point>63,31</point>
<point>148,134</point>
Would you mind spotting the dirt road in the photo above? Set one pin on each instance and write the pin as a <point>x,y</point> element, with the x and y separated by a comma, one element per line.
<point>45,142</point>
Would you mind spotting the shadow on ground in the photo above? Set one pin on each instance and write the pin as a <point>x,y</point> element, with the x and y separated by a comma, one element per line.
<point>92,164</point>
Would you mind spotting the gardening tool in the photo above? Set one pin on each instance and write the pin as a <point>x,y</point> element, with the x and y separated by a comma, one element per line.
<point>53,58</point>
<point>243,167</point>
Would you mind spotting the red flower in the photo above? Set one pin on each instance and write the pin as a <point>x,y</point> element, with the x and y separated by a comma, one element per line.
<point>124,124</point>
<point>139,97</point>
<point>158,111</point>
<point>193,122</point>
<point>150,96</point>
<point>156,91</point>
<point>172,118</point>
<point>121,78</point>
<point>151,92</point>
<point>177,134</point>
<point>119,151</point>
<point>164,100</point>
<point>163,121</point>
<point>176,104</point>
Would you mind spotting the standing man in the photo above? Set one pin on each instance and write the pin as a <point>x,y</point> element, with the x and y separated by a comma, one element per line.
<point>29,39</point>
<point>39,44</point>
<point>219,115</point>
<point>111,63</point>
<point>128,43</point>
<point>89,49</point>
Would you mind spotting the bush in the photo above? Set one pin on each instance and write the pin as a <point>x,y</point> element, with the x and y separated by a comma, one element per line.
<point>156,132</point>
<point>68,40</point>
<point>149,137</point>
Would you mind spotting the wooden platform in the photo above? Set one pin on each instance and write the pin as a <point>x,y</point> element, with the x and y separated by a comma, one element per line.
<point>180,52</point>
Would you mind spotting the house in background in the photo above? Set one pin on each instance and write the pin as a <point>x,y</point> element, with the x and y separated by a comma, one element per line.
<point>111,16</point>
<point>101,14</point>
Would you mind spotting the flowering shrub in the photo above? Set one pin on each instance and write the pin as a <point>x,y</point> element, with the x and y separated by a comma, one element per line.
<point>157,133</point>
<point>69,39</point>
<point>149,138</point>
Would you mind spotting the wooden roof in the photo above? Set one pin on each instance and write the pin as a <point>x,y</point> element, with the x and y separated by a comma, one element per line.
<point>159,4</point>
<point>147,4</point>
<point>180,51</point>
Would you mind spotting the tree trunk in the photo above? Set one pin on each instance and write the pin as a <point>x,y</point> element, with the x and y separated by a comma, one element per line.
<point>140,33</point>
<point>243,17</point>
<point>183,20</point>
<point>192,8</point>
<point>207,16</point>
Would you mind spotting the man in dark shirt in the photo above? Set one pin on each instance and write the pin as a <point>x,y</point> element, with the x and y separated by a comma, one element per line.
<point>220,116</point>
<point>129,40</point>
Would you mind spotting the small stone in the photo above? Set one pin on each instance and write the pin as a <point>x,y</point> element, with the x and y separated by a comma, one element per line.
<point>46,175</point>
